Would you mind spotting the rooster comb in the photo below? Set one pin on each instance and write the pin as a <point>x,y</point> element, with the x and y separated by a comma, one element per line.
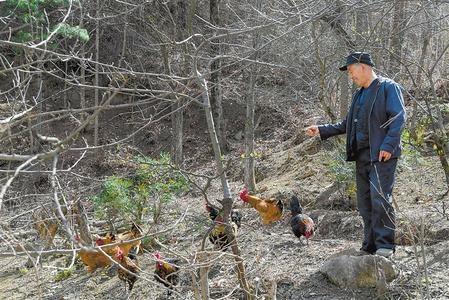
<point>243,192</point>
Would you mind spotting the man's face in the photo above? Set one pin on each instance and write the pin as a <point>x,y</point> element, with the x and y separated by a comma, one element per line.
<point>356,73</point>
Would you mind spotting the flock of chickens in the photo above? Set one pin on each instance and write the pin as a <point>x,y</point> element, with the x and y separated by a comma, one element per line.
<point>123,248</point>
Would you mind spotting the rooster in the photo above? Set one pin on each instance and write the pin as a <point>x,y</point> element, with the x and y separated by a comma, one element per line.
<point>166,272</point>
<point>101,241</point>
<point>270,210</point>
<point>302,225</point>
<point>125,238</point>
<point>130,265</point>
<point>218,235</point>
<point>94,259</point>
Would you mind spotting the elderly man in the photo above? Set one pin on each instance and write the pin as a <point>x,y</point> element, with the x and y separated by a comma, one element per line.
<point>373,129</point>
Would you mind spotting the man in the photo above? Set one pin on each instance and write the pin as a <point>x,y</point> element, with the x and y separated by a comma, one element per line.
<point>373,129</point>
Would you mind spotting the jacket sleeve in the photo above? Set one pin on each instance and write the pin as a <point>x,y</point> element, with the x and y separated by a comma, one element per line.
<point>328,130</point>
<point>396,118</point>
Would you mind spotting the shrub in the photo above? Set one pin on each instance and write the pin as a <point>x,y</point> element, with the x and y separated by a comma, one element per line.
<point>153,183</point>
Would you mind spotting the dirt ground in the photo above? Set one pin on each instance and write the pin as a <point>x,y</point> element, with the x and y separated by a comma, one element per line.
<point>276,262</point>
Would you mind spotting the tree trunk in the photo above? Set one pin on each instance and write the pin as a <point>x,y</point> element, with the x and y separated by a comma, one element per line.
<point>343,79</point>
<point>418,89</point>
<point>396,38</point>
<point>250,178</point>
<point>227,200</point>
<point>97,70</point>
<point>215,90</point>
<point>182,17</point>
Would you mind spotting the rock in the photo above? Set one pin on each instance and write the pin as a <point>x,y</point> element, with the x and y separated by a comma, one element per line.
<point>350,269</point>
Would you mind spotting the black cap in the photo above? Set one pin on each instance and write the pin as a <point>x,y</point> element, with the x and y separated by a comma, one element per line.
<point>357,57</point>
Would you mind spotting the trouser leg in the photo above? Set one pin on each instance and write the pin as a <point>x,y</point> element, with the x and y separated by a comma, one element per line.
<point>364,200</point>
<point>383,217</point>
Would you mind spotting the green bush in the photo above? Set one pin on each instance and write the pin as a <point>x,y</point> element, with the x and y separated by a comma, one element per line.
<point>35,13</point>
<point>152,183</point>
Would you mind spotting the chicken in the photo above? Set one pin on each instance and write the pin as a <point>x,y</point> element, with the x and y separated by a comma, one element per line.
<point>166,272</point>
<point>130,265</point>
<point>302,225</point>
<point>270,210</point>
<point>46,224</point>
<point>218,235</point>
<point>132,234</point>
<point>108,239</point>
<point>94,259</point>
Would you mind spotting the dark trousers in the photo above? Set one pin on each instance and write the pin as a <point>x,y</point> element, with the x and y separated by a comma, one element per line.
<point>374,187</point>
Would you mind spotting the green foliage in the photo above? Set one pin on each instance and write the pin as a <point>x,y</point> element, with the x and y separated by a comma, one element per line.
<point>63,274</point>
<point>153,183</point>
<point>68,31</point>
<point>413,144</point>
<point>115,197</point>
<point>35,13</point>
<point>417,139</point>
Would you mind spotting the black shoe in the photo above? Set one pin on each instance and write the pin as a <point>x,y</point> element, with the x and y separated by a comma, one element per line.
<point>370,252</point>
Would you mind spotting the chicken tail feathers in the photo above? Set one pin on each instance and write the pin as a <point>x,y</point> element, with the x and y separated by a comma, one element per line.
<point>295,206</point>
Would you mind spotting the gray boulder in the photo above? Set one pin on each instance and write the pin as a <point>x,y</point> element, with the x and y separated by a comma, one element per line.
<point>351,269</point>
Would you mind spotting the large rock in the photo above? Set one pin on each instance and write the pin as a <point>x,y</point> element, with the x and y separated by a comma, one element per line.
<point>349,269</point>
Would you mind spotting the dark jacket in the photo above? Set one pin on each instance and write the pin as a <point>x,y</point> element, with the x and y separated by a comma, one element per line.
<point>386,121</point>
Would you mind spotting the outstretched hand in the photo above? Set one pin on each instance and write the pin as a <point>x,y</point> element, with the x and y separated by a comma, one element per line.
<point>384,155</point>
<point>312,130</point>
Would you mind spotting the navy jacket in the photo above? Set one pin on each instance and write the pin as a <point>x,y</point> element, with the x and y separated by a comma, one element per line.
<point>386,121</point>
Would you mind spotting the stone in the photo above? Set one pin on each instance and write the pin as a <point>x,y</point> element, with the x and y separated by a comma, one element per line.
<point>351,269</point>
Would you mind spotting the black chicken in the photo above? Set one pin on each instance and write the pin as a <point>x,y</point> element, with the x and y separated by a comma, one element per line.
<point>302,225</point>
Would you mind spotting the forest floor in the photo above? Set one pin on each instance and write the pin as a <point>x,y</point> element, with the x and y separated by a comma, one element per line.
<point>276,261</point>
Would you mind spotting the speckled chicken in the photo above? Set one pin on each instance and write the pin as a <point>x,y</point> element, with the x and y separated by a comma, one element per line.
<point>130,265</point>
<point>166,272</point>
<point>218,235</point>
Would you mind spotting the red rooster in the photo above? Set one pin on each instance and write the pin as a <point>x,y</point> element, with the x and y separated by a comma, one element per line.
<point>270,210</point>
<point>302,225</point>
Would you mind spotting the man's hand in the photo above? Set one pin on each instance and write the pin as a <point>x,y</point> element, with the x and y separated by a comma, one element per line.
<point>384,155</point>
<point>312,130</point>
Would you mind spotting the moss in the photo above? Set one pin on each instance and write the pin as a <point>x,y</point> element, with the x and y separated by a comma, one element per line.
<point>63,274</point>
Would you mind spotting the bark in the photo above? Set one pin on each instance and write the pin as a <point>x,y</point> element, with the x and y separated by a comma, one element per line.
<point>97,58</point>
<point>418,93</point>
<point>227,200</point>
<point>396,38</point>
<point>182,16</point>
<point>215,78</point>
<point>343,79</point>
<point>83,71</point>
<point>82,222</point>
<point>250,177</point>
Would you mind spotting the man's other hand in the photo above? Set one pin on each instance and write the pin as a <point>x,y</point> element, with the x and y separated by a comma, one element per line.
<point>312,130</point>
<point>384,155</point>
